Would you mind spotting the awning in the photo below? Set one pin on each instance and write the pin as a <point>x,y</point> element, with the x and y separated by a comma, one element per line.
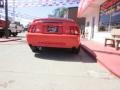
<point>84,4</point>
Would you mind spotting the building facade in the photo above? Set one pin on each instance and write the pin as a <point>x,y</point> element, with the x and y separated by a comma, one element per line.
<point>72,14</point>
<point>101,16</point>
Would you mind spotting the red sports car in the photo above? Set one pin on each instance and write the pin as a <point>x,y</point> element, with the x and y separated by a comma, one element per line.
<point>54,32</point>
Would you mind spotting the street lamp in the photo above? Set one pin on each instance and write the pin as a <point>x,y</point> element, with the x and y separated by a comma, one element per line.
<point>6,19</point>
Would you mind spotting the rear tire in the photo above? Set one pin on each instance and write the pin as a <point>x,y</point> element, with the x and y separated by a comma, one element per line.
<point>9,33</point>
<point>34,49</point>
<point>14,34</point>
<point>1,33</point>
<point>76,50</point>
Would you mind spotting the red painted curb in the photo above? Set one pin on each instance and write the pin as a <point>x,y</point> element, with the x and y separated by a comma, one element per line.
<point>108,68</point>
<point>89,51</point>
<point>92,53</point>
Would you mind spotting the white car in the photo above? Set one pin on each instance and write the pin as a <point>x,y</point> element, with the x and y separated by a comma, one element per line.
<point>14,29</point>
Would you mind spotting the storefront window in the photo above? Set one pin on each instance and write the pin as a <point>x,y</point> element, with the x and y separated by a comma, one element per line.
<point>115,21</point>
<point>109,15</point>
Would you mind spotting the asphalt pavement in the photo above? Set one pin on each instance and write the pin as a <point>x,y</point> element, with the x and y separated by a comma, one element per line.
<point>52,69</point>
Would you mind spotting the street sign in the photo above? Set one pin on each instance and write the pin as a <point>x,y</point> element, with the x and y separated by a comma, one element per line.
<point>1,3</point>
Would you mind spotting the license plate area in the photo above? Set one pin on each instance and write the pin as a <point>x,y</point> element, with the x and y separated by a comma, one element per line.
<point>52,29</point>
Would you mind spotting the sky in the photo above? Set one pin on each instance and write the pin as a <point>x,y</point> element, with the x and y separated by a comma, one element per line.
<point>40,12</point>
<point>36,10</point>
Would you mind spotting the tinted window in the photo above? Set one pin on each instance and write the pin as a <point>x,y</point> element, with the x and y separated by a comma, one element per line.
<point>116,18</point>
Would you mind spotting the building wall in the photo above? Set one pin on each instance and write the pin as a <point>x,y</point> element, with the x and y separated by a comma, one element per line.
<point>93,11</point>
<point>89,28</point>
<point>72,14</point>
<point>98,36</point>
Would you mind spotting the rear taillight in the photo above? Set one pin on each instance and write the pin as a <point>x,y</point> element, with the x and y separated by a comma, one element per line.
<point>34,29</point>
<point>37,30</point>
<point>74,30</point>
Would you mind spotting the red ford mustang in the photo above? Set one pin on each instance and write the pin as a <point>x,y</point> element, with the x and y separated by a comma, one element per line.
<point>54,32</point>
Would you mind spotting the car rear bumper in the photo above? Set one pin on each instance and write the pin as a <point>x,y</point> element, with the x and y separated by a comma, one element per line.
<point>53,40</point>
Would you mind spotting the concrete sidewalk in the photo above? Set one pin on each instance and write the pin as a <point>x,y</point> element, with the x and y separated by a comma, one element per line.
<point>9,39</point>
<point>107,56</point>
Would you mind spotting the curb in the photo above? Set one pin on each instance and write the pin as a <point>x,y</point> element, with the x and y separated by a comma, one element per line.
<point>94,56</point>
<point>108,68</point>
<point>89,51</point>
<point>7,40</point>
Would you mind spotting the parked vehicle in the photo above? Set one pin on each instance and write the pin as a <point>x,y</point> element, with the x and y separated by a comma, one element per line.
<point>26,27</point>
<point>53,32</point>
<point>13,28</point>
<point>2,27</point>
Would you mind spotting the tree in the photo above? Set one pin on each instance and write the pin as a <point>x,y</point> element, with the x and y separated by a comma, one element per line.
<point>59,12</point>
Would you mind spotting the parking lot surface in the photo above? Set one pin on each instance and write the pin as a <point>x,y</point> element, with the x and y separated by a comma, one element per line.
<point>52,69</point>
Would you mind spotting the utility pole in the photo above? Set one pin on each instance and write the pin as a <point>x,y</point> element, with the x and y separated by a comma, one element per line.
<point>14,10</point>
<point>1,5</point>
<point>6,19</point>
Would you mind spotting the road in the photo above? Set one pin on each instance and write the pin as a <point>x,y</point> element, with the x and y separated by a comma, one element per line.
<point>52,69</point>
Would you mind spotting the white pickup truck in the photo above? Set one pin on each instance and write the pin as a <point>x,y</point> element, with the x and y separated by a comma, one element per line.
<point>14,29</point>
